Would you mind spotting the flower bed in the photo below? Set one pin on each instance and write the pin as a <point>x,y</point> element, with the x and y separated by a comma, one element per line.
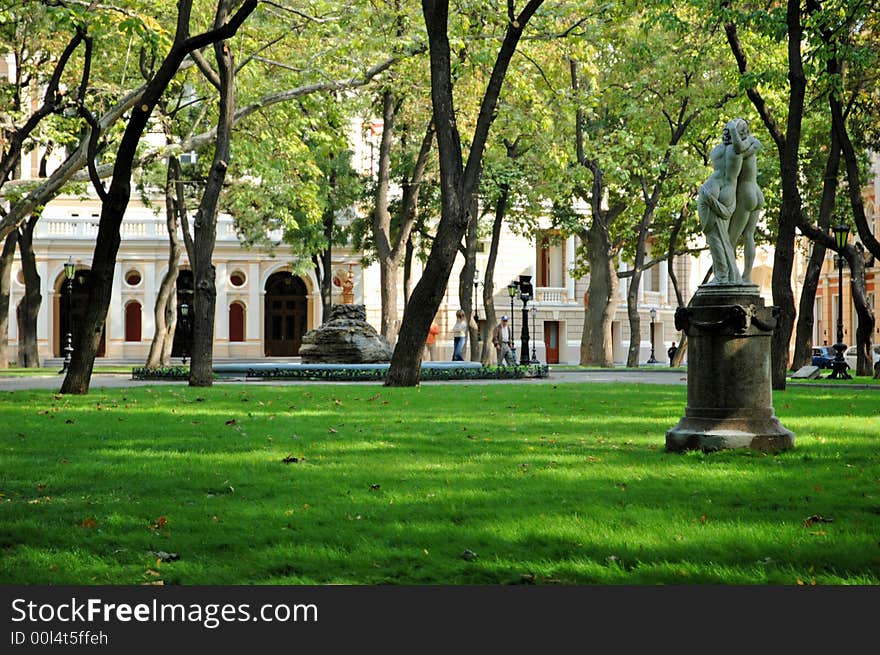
<point>355,373</point>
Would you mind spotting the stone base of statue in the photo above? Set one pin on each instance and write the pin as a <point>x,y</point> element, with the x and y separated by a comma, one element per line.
<point>730,402</point>
<point>346,338</point>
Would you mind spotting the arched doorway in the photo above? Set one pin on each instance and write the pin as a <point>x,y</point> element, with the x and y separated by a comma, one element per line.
<point>286,312</point>
<point>71,312</point>
<point>185,294</point>
<point>236,322</point>
<point>133,321</point>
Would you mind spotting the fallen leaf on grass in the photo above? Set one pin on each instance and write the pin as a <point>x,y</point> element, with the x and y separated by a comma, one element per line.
<point>816,518</point>
<point>152,572</point>
<point>88,523</point>
<point>331,430</point>
<point>159,523</point>
<point>163,556</point>
<point>232,421</point>
<point>153,583</point>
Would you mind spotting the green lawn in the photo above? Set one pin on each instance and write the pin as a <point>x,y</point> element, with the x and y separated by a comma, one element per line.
<point>315,484</point>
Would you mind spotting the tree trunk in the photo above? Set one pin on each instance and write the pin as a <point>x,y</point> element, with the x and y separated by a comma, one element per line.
<point>391,250</point>
<point>487,354</point>
<point>803,340</point>
<point>466,281</point>
<point>382,223</point>
<point>326,258</point>
<point>201,370</point>
<point>601,301</point>
<point>864,359</point>
<point>635,320</point>
<point>29,307</point>
<point>6,258</point>
<point>165,309</point>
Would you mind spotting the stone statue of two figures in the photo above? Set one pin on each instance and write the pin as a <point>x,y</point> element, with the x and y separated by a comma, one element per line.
<point>729,203</point>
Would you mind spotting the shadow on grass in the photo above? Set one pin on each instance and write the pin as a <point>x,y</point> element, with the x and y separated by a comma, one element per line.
<point>549,485</point>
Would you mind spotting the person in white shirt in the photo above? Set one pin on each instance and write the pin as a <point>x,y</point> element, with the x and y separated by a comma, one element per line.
<point>459,336</point>
<point>502,339</point>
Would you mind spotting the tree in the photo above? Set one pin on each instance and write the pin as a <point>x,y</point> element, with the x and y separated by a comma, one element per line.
<point>459,181</point>
<point>391,248</point>
<point>115,198</point>
<point>201,372</point>
<point>787,141</point>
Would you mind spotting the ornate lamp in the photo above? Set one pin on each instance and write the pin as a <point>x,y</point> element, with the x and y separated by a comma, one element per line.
<point>184,318</point>
<point>839,365</point>
<point>652,359</point>
<point>69,273</point>
<point>512,288</point>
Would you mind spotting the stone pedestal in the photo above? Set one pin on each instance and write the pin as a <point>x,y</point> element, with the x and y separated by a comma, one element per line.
<point>730,402</point>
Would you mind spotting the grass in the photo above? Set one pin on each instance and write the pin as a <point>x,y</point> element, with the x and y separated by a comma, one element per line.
<point>361,484</point>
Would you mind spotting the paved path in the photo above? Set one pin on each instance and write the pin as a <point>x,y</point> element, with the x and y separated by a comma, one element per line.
<point>652,376</point>
<point>643,376</point>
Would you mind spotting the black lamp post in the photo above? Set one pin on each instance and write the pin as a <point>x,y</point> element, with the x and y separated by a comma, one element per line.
<point>652,359</point>
<point>525,295</point>
<point>511,291</point>
<point>476,284</point>
<point>184,320</point>
<point>534,311</point>
<point>69,273</point>
<point>839,365</point>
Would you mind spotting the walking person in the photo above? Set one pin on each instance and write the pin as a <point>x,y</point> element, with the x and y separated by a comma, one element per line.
<point>431,342</point>
<point>673,350</point>
<point>502,339</point>
<point>459,336</point>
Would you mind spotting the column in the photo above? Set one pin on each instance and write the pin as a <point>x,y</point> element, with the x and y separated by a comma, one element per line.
<point>115,325</point>
<point>254,316</point>
<point>569,262</point>
<point>148,317</point>
<point>45,316</point>
<point>221,308</point>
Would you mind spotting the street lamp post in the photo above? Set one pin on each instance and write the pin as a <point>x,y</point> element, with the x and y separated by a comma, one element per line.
<point>839,365</point>
<point>525,294</point>
<point>69,273</point>
<point>511,291</point>
<point>476,284</point>
<point>184,320</point>
<point>476,302</point>
<point>534,311</point>
<point>652,359</point>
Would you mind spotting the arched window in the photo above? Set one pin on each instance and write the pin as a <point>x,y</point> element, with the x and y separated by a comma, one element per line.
<point>133,321</point>
<point>236,322</point>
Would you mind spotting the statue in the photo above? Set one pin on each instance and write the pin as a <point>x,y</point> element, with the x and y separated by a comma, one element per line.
<point>749,199</point>
<point>345,280</point>
<point>720,195</point>
<point>728,326</point>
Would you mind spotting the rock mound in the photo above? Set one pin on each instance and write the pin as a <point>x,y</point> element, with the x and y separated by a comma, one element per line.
<point>346,338</point>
